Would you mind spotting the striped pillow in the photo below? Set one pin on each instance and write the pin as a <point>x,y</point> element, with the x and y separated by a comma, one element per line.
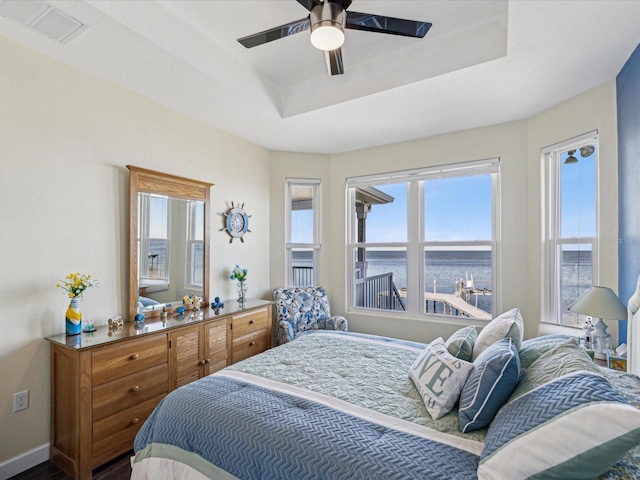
<point>495,374</point>
<point>460,344</point>
<point>576,426</point>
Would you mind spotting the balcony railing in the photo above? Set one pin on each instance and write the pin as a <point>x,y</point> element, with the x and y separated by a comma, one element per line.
<point>302,277</point>
<point>378,291</point>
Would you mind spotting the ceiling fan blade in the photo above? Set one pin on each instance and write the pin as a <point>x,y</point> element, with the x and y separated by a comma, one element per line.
<point>275,33</point>
<point>344,3</point>
<point>381,24</point>
<point>334,62</point>
<point>309,4</point>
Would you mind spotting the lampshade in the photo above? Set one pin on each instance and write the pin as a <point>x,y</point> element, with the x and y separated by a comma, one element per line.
<point>327,36</point>
<point>600,302</point>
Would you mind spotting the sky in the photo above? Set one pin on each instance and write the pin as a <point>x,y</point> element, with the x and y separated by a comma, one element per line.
<point>459,208</point>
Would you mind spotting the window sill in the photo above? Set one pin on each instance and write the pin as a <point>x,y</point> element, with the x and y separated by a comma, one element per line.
<point>432,317</point>
<point>551,329</point>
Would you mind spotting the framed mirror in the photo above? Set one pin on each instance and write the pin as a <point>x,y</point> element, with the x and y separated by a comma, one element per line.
<point>168,241</point>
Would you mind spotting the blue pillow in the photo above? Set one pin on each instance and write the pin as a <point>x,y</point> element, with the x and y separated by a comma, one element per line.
<point>495,375</point>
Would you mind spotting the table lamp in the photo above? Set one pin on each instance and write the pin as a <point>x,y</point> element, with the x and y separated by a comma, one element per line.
<point>600,302</point>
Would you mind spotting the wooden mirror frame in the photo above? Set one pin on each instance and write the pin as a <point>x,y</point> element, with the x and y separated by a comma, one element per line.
<point>142,180</point>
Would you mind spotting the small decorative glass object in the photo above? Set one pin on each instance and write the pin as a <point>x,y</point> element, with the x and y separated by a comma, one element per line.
<point>242,287</point>
<point>217,305</point>
<point>240,274</point>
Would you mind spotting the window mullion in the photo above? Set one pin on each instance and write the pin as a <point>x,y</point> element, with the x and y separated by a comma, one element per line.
<point>415,265</point>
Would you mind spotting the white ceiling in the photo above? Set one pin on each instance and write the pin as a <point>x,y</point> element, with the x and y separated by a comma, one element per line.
<point>482,63</point>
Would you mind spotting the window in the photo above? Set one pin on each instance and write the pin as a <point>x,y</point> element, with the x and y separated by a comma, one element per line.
<point>572,241</point>
<point>424,241</point>
<point>302,232</point>
<point>153,238</point>
<point>196,243</point>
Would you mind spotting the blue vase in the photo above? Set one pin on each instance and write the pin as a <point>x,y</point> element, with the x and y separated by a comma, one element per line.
<point>73,318</point>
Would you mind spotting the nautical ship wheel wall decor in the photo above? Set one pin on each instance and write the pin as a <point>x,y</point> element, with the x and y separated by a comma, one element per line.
<point>236,222</point>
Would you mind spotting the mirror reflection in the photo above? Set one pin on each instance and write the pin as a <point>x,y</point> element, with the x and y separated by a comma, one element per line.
<point>170,249</point>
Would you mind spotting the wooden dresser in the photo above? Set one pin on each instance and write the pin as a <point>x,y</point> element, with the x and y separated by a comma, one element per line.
<point>105,384</point>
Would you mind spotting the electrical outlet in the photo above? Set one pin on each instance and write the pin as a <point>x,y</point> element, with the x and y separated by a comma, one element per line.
<point>20,401</point>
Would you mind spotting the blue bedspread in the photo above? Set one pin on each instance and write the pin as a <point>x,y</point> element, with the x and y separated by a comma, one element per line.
<point>325,406</point>
<point>256,433</point>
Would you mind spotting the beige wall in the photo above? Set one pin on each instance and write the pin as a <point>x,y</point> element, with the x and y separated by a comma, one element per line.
<point>503,141</point>
<point>518,145</point>
<point>593,110</point>
<point>298,165</point>
<point>65,138</point>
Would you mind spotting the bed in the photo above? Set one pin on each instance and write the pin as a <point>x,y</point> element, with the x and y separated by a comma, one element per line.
<point>342,405</point>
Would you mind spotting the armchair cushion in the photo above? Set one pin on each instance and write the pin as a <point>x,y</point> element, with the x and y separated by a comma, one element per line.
<point>300,309</point>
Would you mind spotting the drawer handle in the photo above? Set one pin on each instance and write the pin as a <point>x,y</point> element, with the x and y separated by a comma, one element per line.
<point>135,420</point>
<point>201,362</point>
<point>134,356</point>
<point>208,360</point>
<point>251,344</point>
<point>136,388</point>
<point>251,322</point>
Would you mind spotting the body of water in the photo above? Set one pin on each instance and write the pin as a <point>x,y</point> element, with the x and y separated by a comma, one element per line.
<point>445,268</point>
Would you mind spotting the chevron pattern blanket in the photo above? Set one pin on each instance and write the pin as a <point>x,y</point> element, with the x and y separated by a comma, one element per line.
<point>267,418</point>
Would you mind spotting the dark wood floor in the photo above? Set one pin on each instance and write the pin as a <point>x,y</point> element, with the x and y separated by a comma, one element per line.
<point>117,469</point>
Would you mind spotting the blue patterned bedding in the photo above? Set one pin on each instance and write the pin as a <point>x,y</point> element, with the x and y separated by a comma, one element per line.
<point>325,406</point>
<point>255,432</point>
<point>257,422</point>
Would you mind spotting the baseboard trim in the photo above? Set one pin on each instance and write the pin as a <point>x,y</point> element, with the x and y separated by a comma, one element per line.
<point>24,461</point>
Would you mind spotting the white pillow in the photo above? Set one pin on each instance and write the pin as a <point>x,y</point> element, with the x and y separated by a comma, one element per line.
<point>439,377</point>
<point>509,324</point>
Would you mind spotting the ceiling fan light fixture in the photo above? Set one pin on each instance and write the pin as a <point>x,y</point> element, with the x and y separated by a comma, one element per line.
<point>327,36</point>
<point>327,26</point>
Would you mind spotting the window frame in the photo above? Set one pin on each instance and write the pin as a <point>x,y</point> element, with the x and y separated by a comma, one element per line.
<point>553,239</point>
<point>144,214</point>
<point>315,245</point>
<point>193,242</point>
<point>416,243</point>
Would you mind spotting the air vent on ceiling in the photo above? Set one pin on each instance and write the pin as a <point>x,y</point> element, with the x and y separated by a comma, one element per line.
<point>43,18</point>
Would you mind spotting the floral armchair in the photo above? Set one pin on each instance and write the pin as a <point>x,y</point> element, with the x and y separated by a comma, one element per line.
<point>300,309</point>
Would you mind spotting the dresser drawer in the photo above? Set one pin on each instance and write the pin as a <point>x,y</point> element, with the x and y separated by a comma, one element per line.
<point>249,345</point>
<point>114,435</point>
<point>128,391</point>
<point>250,322</point>
<point>128,357</point>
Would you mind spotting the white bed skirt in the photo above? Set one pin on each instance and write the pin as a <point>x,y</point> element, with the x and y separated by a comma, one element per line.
<point>164,469</point>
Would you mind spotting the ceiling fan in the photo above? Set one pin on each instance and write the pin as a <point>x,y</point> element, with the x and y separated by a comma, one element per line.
<point>327,20</point>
